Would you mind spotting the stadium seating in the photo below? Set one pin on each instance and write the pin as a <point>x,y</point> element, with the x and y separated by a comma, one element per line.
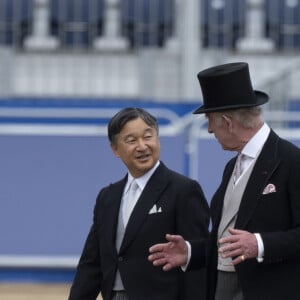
<point>147,22</point>
<point>283,23</point>
<point>76,22</point>
<point>223,22</point>
<point>15,21</point>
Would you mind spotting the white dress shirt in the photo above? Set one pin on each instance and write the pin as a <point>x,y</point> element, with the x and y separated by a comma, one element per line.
<point>141,182</point>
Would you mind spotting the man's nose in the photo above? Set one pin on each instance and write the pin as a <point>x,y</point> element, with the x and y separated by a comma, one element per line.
<point>209,130</point>
<point>141,145</point>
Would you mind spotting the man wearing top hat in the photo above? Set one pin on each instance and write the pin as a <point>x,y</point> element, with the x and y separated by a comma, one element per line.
<point>254,248</point>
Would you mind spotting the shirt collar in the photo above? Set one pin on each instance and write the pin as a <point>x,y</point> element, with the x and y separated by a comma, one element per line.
<point>255,144</point>
<point>141,181</point>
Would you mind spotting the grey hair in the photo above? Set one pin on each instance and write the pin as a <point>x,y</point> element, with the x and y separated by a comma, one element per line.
<point>249,117</point>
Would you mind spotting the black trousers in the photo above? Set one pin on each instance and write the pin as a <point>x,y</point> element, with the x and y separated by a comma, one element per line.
<point>228,287</point>
<point>119,295</point>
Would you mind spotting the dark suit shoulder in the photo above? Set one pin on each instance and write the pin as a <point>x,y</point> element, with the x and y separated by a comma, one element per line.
<point>282,148</point>
<point>176,176</point>
<point>115,187</point>
<point>287,146</point>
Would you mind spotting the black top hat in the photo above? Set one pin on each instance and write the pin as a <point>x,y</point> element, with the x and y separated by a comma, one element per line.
<point>227,87</point>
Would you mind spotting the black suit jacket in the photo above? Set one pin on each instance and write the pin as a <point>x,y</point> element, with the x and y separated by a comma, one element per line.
<point>184,211</point>
<point>276,216</point>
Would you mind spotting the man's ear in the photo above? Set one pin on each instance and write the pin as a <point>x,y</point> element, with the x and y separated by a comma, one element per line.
<point>114,149</point>
<point>228,121</point>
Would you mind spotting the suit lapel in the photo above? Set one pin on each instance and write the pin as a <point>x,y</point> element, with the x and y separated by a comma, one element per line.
<point>150,195</point>
<point>265,165</point>
<point>112,206</point>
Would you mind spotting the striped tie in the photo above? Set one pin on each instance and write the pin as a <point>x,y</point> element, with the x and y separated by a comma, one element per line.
<point>238,171</point>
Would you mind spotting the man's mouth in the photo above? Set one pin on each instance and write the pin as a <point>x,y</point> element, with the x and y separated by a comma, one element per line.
<point>143,157</point>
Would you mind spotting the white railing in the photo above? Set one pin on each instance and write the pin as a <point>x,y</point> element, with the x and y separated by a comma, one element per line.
<point>172,127</point>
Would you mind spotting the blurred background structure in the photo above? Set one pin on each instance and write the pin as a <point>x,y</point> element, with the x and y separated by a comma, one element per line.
<point>66,66</point>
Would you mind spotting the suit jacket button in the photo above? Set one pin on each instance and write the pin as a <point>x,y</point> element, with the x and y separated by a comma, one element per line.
<point>120,258</point>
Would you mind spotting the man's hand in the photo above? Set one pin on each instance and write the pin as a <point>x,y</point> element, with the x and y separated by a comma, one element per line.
<point>169,255</point>
<point>240,245</point>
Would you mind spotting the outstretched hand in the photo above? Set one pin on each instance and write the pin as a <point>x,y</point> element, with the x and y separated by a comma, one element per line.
<point>170,255</point>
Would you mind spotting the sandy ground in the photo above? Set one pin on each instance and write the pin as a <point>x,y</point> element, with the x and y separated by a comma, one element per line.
<point>35,292</point>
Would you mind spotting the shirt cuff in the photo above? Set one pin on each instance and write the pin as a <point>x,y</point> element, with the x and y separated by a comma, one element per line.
<point>183,268</point>
<point>261,249</point>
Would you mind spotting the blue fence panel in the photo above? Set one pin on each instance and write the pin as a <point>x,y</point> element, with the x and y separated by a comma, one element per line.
<point>49,185</point>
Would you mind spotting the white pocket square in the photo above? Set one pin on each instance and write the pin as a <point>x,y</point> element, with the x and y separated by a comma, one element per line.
<point>270,188</point>
<point>155,210</point>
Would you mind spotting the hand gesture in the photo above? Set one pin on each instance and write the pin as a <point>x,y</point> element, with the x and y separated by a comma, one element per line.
<point>169,255</point>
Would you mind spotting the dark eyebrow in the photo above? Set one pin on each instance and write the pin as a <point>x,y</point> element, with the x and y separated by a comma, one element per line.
<point>130,135</point>
<point>150,129</point>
